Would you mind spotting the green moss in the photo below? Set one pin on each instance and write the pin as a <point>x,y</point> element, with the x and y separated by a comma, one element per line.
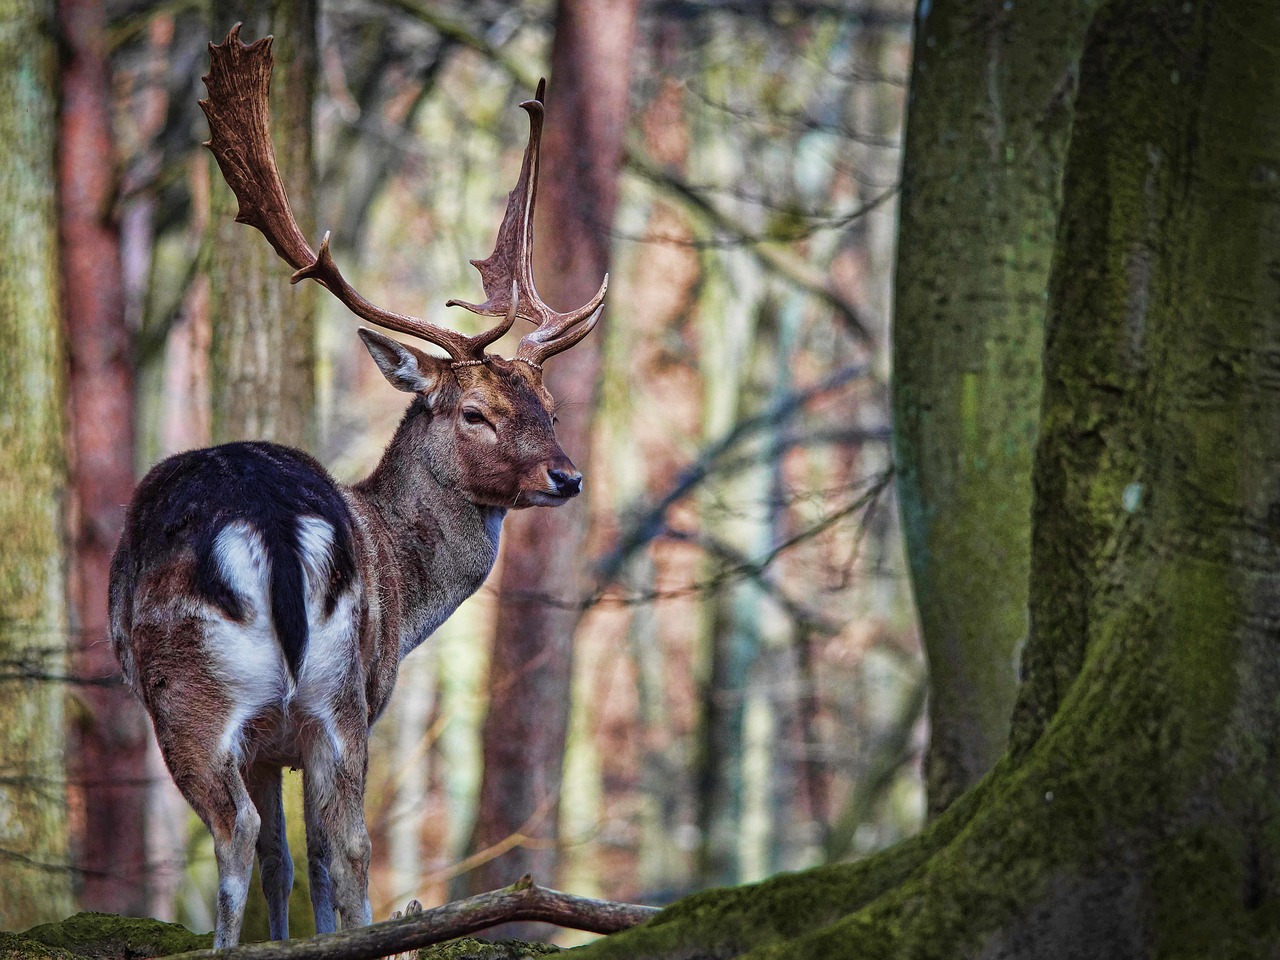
<point>106,935</point>
<point>33,627</point>
<point>469,948</point>
<point>727,922</point>
<point>1084,813</point>
<point>15,946</point>
<point>968,338</point>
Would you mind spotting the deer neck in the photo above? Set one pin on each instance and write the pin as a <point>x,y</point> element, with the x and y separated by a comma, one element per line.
<point>432,546</point>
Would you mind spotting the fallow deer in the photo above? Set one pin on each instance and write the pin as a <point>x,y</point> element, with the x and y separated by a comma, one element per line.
<point>260,610</point>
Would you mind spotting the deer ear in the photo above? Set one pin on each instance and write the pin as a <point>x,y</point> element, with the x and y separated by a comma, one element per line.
<point>405,367</point>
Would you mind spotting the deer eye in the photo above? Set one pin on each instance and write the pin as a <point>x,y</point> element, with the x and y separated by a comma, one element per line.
<point>475,416</point>
<point>554,419</point>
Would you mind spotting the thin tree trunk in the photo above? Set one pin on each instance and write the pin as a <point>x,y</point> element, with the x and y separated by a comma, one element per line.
<point>36,884</point>
<point>110,733</point>
<point>987,128</point>
<point>263,346</point>
<point>532,663</point>
<point>739,722</point>
<point>668,273</point>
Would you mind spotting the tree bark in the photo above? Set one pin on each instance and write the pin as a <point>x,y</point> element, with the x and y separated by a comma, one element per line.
<point>1133,818</point>
<point>262,352</point>
<point>109,742</point>
<point>36,883</point>
<point>531,665</point>
<point>987,129</point>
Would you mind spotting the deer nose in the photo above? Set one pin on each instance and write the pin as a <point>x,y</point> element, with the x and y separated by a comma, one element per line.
<point>567,482</point>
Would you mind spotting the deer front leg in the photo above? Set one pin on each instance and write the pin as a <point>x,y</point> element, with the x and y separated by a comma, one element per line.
<point>339,868</point>
<point>274,862</point>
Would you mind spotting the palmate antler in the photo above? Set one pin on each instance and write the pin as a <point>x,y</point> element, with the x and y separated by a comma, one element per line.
<point>239,82</point>
<point>507,274</point>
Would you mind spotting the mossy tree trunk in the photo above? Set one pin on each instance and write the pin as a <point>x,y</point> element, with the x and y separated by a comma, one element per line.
<point>987,127</point>
<point>1135,815</point>
<point>262,349</point>
<point>35,876</point>
<point>531,666</point>
<point>109,735</point>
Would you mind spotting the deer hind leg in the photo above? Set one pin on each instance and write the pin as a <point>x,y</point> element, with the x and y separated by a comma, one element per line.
<point>217,793</point>
<point>191,715</point>
<point>338,847</point>
<point>274,862</point>
<point>319,856</point>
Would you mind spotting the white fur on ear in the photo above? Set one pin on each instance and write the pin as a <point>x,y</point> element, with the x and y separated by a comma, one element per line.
<point>405,367</point>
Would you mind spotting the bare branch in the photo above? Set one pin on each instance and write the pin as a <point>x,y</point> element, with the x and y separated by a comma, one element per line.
<point>461,33</point>
<point>751,568</point>
<point>799,611</point>
<point>523,900</point>
<point>649,519</point>
<point>773,256</point>
<point>797,121</point>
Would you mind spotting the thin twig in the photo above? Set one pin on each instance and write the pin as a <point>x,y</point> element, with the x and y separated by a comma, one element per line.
<point>649,521</point>
<point>462,34</point>
<point>773,256</point>
<point>799,612</point>
<point>752,569</point>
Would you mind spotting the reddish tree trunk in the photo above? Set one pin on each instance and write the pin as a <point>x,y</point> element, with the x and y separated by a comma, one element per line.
<point>531,666</point>
<point>110,734</point>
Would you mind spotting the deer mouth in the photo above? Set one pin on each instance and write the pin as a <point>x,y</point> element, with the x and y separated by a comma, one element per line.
<point>548,498</point>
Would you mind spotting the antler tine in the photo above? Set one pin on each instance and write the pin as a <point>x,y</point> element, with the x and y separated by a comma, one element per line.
<point>239,82</point>
<point>507,274</point>
<point>549,340</point>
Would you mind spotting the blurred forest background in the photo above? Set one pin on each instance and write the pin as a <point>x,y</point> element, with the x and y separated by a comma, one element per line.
<point>724,619</point>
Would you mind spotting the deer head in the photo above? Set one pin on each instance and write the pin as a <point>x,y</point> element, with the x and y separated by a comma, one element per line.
<point>491,419</point>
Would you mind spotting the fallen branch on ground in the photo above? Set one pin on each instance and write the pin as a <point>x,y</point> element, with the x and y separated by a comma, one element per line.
<point>523,900</point>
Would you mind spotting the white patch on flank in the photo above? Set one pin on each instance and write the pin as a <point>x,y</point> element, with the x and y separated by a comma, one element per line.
<point>249,658</point>
<point>247,655</point>
<point>315,536</point>
<point>332,656</point>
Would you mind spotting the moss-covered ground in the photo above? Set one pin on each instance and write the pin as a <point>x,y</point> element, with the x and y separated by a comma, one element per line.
<point>104,936</point>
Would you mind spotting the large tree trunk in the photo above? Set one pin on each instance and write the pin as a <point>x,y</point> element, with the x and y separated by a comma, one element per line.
<point>110,732</point>
<point>988,121</point>
<point>531,666</point>
<point>1135,817</point>
<point>36,880</point>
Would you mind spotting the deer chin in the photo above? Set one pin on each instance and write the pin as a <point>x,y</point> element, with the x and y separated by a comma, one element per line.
<point>544,498</point>
<point>523,500</point>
